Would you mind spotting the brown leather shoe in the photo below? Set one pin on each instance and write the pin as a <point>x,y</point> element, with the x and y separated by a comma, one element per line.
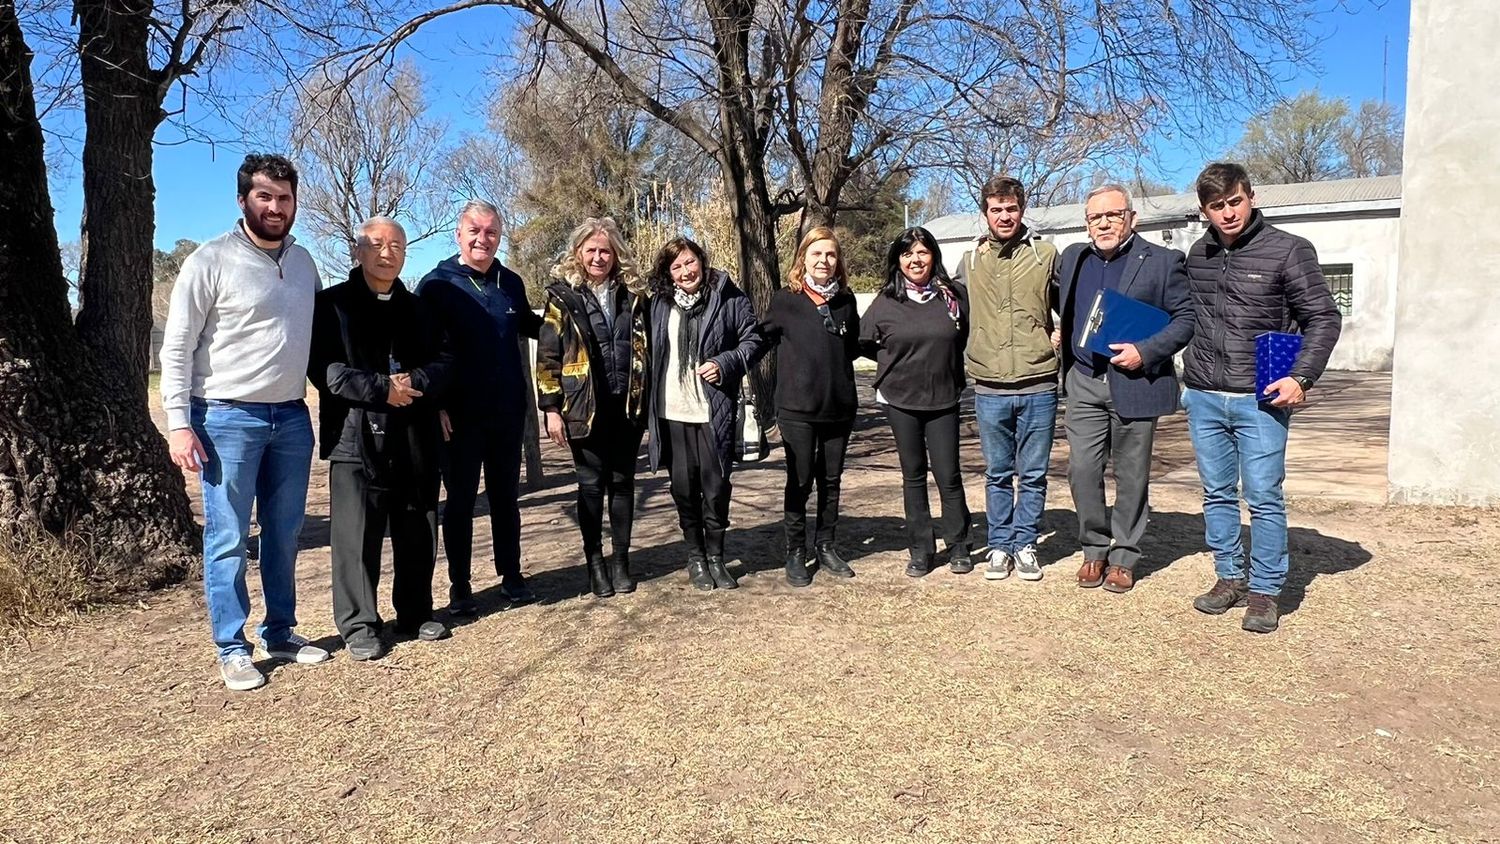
<point>1091,573</point>
<point>1118,579</point>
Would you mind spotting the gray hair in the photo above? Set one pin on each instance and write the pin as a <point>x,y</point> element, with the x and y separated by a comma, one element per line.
<point>1110,188</point>
<point>378,220</point>
<point>479,207</point>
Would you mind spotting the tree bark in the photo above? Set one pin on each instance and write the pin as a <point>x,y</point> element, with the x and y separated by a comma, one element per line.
<point>531,446</point>
<point>122,108</point>
<point>741,158</point>
<point>79,455</point>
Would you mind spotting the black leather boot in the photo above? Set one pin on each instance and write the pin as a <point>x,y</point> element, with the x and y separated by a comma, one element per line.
<point>829,560</point>
<point>796,567</point>
<point>619,573</point>
<point>720,573</point>
<point>599,576</point>
<point>698,573</point>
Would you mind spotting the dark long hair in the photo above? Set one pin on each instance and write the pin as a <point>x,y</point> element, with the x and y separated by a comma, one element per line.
<point>895,282</point>
<point>661,268</point>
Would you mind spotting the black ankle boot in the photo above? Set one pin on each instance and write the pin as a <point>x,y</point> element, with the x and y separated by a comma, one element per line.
<point>599,576</point>
<point>720,573</point>
<point>796,567</point>
<point>619,573</point>
<point>830,560</point>
<point>698,573</point>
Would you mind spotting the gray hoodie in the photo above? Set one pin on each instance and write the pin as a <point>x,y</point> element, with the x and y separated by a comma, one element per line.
<point>240,326</point>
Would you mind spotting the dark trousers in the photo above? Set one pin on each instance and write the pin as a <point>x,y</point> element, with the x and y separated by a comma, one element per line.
<point>605,462</point>
<point>496,450</point>
<point>814,455</point>
<point>920,435</point>
<point>700,487</point>
<point>1096,433</point>
<point>360,509</point>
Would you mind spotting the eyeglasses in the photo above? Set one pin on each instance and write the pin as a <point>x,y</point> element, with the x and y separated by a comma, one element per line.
<point>837,329</point>
<point>1109,217</point>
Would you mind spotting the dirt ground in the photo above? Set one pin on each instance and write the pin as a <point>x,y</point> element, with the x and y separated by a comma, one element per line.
<point>945,709</point>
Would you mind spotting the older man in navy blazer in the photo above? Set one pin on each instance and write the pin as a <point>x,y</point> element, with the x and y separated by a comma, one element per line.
<point>1114,402</point>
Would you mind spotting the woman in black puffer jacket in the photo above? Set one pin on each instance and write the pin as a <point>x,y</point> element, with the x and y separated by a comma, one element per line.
<point>703,341</point>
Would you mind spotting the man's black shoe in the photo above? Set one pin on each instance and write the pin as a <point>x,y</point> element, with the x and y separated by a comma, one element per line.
<point>513,587</point>
<point>365,648</point>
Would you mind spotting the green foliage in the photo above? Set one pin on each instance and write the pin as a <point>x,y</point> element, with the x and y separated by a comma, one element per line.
<point>1311,138</point>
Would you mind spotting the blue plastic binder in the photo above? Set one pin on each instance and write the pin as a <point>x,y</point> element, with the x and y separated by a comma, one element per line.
<point>1275,354</point>
<point>1117,318</point>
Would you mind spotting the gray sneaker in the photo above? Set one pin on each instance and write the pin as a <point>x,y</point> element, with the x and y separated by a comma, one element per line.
<point>294,649</point>
<point>1027,565</point>
<point>999,567</point>
<point>240,674</point>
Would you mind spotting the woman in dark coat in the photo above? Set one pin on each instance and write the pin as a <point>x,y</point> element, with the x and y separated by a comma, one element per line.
<point>703,341</point>
<point>916,330</point>
<point>591,378</point>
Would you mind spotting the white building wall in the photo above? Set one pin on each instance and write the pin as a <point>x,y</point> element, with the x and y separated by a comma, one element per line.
<point>1445,393</point>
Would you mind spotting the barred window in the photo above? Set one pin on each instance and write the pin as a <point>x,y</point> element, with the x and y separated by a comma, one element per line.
<point>1340,279</point>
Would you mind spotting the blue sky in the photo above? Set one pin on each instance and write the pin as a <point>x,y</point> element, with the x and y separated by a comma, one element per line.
<point>195,181</point>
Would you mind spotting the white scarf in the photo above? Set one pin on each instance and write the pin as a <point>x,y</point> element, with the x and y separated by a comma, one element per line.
<point>827,290</point>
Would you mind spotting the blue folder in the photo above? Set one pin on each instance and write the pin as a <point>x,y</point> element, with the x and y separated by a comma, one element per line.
<point>1117,318</point>
<point>1275,354</point>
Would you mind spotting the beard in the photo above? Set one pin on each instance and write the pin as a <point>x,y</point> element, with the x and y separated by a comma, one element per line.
<point>268,231</point>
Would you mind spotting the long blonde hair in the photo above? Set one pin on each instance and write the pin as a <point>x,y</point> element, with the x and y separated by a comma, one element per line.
<point>798,269</point>
<point>570,269</point>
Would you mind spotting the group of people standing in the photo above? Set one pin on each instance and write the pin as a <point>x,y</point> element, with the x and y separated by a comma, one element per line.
<point>424,387</point>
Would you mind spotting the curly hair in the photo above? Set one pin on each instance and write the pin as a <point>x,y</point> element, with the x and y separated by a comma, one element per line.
<point>798,268</point>
<point>274,167</point>
<point>570,269</point>
<point>661,268</point>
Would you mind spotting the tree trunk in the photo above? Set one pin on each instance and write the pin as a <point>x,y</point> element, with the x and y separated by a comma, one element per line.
<point>79,455</point>
<point>742,162</point>
<point>122,108</point>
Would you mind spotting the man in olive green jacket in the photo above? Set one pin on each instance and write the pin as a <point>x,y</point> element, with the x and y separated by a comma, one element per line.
<point>1012,282</point>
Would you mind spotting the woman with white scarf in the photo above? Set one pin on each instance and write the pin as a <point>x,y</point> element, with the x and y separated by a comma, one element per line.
<point>703,341</point>
<point>814,324</point>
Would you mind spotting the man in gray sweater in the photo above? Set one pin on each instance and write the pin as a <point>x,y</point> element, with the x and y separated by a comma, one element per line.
<point>233,379</point>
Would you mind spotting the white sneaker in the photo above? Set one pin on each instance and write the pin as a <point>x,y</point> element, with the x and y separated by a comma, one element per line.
<point>240,674</point>
<point>294,649</point>
<point>1027,566</point>
<point>999,567</point>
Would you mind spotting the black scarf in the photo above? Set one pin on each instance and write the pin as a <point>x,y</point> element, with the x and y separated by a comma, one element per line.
<point>691,308</point>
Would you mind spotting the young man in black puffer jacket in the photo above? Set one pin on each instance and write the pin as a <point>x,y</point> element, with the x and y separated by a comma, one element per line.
<point>1248,278</point>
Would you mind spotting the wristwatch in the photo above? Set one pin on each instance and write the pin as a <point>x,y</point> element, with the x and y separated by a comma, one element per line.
<point>1303,381</point>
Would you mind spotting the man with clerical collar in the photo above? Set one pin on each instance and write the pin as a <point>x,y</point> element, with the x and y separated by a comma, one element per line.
<point>379,364</point>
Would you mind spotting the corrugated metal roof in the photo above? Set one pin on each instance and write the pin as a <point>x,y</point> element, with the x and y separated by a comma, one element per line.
<point>1185,206</point>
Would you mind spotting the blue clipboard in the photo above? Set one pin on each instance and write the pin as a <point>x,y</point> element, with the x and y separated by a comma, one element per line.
<point>1117,318</point>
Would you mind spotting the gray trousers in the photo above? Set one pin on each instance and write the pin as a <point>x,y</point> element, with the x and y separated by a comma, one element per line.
<point>1095,434</point>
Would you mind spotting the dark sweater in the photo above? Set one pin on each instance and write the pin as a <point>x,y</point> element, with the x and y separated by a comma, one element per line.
<point>358,341</point>
<point>484,315</point>
<point>918,349</point>
<point>1094,275</point>
<point>814,367</point>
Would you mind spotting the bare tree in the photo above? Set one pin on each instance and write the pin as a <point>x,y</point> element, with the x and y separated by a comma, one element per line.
<point>1372,140</point>
<point>365,147</point>
<point>1295,141</point>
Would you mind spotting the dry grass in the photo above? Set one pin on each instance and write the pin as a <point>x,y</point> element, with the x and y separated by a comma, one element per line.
<point>42,577</point>
<point>945,709</point>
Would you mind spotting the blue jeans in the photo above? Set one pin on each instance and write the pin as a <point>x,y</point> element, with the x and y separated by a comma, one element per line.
<point>1239,440</point>
<point>258,454</point>
<point>1015,433</point>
